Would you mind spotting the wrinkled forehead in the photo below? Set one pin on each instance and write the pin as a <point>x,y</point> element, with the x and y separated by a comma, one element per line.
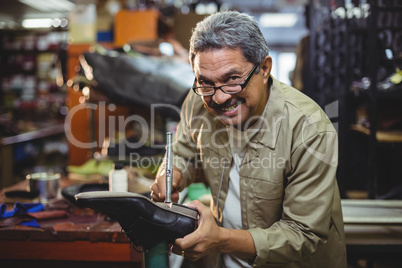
<point>205,51</point>
<point>219,61</point>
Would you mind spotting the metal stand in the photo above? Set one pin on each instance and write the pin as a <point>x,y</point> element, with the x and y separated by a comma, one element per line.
<point>157,257</point>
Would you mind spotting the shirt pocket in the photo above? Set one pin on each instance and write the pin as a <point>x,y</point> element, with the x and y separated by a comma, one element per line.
<point>267,201</point>
<point>214,164</point>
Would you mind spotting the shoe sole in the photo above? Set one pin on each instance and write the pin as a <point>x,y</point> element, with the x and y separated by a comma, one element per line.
<point>145,222</point>
<point>172,207</point>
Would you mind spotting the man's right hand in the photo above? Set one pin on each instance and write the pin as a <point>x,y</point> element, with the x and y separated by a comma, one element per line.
<point>158,188</point>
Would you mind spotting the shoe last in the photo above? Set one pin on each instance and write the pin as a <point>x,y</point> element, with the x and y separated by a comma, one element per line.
<point>145,222</point>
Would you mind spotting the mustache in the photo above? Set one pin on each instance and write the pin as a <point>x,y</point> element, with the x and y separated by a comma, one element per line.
<point>226,104</point>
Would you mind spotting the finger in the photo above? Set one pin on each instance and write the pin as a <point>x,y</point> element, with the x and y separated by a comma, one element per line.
<point>176,179</point>
<point>188,253</point>
<point>161,172</point>
<point>159,188</point>
<point>154,191</point>
<point>154,187</point>
<point>176,250</point>
<point>175,197</point>
<point>196,204</point>
<point>189,241</point>
<point>162,195</point>
<point>156,197</point>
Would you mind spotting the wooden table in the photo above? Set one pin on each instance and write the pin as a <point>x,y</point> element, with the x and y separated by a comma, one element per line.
<point>83,239</point>
<point>373,231</point>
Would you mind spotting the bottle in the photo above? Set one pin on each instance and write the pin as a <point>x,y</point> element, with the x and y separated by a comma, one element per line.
<point>118,178</point>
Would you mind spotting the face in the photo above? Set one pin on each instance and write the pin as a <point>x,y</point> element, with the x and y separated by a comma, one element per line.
<point>227,66</point>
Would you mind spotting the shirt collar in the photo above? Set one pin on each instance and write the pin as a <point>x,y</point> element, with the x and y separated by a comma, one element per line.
<point>273,116</point>
<point>272,119</point>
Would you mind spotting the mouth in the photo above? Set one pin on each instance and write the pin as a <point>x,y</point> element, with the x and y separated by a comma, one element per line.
<point>229,105</point>
<point>230,108</point>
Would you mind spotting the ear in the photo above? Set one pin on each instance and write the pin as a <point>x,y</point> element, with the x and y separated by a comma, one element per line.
<point>266,66</point>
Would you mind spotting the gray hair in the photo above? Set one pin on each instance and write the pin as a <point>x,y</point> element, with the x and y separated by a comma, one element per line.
<point>232,30</point>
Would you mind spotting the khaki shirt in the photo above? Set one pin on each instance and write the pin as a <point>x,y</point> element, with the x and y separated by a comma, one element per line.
<point>289,196</point>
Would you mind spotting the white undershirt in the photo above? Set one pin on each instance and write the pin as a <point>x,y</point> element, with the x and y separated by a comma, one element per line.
<point>232,211</point>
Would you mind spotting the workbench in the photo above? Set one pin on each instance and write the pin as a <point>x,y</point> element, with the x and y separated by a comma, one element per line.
<point>84,238</point>
<point>373,231</point>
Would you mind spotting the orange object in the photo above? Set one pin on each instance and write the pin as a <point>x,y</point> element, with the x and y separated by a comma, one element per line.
<point>81,121</point>
<point>139,25</point>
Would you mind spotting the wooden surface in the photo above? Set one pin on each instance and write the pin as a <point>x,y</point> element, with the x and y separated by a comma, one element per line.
<point>373,235</point>
<point>69,251</point>
<point>373,231</point>
<point>84,235</point>
<point>372,211</point>
<point>382,135</point>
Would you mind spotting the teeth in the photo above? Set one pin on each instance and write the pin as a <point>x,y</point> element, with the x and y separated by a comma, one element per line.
<point>227,109</point>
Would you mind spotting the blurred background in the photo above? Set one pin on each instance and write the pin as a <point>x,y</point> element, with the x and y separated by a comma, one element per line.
<point>85,84</point>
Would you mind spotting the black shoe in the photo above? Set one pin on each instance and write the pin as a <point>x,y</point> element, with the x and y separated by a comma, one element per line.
<point>146,223</point>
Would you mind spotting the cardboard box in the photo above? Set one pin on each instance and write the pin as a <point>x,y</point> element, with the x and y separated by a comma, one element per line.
<point>138,25</point>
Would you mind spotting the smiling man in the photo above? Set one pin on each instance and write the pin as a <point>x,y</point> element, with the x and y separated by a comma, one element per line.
<point>230,68</point>
<point>268,153</point>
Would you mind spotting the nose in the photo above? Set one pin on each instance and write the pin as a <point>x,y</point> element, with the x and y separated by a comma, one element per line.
<point>220,97</point>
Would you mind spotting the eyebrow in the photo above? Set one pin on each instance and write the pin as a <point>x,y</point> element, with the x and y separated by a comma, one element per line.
<point>223,77</point>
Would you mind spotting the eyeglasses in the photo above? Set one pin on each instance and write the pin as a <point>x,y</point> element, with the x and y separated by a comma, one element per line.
<point>228,89</point>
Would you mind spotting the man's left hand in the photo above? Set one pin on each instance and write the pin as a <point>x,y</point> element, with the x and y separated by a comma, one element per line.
<point>207,238</point>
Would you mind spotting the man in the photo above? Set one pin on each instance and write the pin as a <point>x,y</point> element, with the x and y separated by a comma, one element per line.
<point>267,151</point>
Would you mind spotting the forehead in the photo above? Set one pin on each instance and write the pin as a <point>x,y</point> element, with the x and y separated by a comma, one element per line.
<point>213,63</point>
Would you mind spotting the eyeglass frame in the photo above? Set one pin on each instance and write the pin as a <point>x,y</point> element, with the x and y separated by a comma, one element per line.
<point>242,85</point>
